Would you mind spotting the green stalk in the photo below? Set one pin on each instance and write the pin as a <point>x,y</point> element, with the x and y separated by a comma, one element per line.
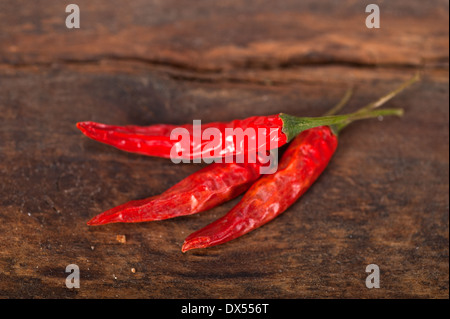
<point>382,100</point>
<point>391,94</point>
<point>293,125</point>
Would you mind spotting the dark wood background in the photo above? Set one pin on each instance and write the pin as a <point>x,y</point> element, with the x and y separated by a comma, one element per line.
<point>383,199</point>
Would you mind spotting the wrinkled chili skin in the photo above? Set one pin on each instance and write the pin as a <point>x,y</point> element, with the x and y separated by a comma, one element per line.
<point>203,190</point>
<point>155,140</point>
<point>302,163</point>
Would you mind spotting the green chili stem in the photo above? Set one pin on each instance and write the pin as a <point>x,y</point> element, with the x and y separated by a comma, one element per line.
<point>391,94</point>
<point>292,125</point>
<point>382,100</point>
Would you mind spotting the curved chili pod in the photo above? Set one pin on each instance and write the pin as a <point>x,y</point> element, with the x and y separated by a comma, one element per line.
<point>302,163</point>
<point>203,190</point>
<point>155,140</point>
<point>265,133</point>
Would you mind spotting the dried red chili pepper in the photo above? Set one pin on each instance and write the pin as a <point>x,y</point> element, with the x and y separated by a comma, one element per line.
<point>304,160</point>
<point>302,163</point>
<point>155,140</point>
<point>205,189</point>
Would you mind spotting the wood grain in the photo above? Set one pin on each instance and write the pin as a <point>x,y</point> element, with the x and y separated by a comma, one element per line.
<point>383,199</point>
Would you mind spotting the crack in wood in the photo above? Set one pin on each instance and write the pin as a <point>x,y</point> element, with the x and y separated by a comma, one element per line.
<point>240,73</point>
<point>439,63</point>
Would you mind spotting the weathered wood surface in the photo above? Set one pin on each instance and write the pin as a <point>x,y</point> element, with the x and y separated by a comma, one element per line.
<point>383,199</point>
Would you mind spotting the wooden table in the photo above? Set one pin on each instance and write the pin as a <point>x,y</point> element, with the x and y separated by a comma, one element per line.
<point>383,199</point>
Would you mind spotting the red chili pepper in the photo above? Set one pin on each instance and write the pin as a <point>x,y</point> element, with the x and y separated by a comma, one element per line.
<point>276,130</point>
<point>302,163</point>
<point>203,190</point>
<point>155,140</point>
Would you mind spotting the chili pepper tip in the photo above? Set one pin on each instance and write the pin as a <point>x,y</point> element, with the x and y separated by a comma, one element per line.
<point>200,242</point>
<point>81,126</point>
<point>101,220</point>
<point>94,221</point>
